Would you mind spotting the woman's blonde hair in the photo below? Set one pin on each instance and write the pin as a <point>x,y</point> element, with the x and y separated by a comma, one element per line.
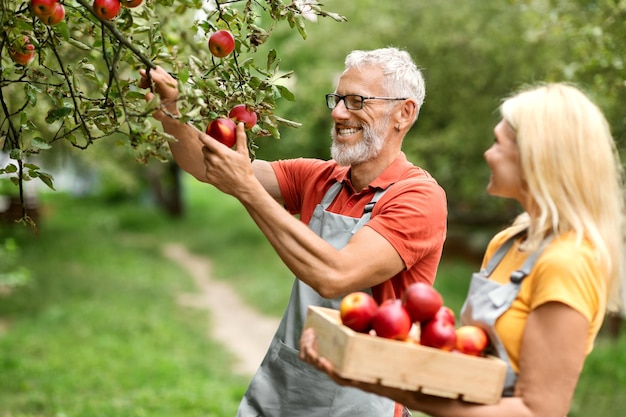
<point>572,169</point>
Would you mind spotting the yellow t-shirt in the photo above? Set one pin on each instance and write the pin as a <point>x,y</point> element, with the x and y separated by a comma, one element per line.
<point>566,272</point>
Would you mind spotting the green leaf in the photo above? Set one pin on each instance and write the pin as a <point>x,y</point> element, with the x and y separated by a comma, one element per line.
<point>63,29</point>
<point>335,16</point>
<point>299,20</point>
<point>271,58</point>
<point>31,93</point>
<point>39,143</point>
<point>135,95</point>
<point>46,179</point>
<point>10,169</point>
<point>57,114</point>
<point>16,154</point>
<point>286,122</point>
<point>285,93</point>
<point>183,75</point>
<point>78,44</point>
<point>274,131</point>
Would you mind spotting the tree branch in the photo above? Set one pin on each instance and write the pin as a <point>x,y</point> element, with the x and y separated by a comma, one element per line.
<point>119,36</point>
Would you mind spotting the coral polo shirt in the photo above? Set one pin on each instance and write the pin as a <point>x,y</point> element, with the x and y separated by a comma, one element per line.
<point>411,215</point>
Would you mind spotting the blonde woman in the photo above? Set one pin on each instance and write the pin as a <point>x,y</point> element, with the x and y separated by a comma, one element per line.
<point>557,265</point>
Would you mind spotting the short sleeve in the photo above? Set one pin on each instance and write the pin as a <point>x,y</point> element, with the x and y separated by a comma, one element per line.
<point>569,273</point>
<point>413,219</point>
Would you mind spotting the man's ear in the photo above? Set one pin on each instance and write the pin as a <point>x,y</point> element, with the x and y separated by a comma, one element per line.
<point>407,114</point>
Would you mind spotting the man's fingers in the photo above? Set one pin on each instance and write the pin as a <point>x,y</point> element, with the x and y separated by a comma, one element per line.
<point>143,81</point>
<point>241,139</point>
<point>208,142</point>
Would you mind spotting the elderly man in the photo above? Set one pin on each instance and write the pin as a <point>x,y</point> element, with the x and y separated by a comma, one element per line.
<point>368,219</point>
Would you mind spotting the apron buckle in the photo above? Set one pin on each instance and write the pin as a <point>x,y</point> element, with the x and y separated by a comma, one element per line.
<point>518,276</point>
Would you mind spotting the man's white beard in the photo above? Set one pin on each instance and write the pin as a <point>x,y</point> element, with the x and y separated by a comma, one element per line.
<point>366,149</point>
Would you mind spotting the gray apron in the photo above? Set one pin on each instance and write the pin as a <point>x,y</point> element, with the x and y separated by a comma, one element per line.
<point>284,385</point>
<point>487,300</point>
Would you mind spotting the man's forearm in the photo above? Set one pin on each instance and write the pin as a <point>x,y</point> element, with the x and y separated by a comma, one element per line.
<point>187,148</point>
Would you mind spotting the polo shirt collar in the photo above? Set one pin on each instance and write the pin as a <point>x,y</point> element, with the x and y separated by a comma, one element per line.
<point>385,179</point>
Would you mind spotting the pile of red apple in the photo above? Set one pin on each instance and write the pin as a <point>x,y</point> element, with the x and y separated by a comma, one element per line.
<point>418,317</point>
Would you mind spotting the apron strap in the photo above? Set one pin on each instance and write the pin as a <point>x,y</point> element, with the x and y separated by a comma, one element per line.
<point>334,189</point>
<point>500,252</point>
<point>517,276</point>
<point>367,211</point>
<point>370,206</point>
<point>330,195</point>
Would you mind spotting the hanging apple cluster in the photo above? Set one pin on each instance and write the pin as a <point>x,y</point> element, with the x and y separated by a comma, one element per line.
<point>222,44</point>
<point>69,72</point>
<point>418,317</point>
<point>52,12</point>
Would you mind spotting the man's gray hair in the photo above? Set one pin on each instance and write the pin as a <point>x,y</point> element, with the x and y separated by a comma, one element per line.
<point>403,77</point>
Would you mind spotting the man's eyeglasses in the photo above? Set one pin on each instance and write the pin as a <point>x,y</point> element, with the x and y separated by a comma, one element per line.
<point>353,101</point>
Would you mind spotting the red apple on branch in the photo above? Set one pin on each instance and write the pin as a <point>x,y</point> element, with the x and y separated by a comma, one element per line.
<point>392,321</point>
<point>21,51</point>
<point>54,18</point>
<point>223,130</point>
<point>221,43</point>
<point>421,301</point>
<point>357,310</point>
<point>241,113</point>
<point>471,340</point>
<point>42,8</point>
<point>106,9</point>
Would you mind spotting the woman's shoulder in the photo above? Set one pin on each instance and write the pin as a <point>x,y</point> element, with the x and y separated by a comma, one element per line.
<point>570,250</point>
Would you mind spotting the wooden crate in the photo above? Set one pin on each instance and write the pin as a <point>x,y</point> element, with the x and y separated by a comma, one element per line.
<point>405,365</point>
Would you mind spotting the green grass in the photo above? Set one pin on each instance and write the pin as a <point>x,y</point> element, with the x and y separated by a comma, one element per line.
<point>97,332</point>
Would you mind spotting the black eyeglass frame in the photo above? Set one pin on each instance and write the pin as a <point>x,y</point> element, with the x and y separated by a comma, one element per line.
<point>333,99</point>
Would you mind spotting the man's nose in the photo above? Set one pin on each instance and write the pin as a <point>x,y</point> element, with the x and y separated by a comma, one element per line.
<point>340,112</point>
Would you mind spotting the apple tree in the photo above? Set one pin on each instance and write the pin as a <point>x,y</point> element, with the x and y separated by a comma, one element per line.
<point>69,72</point>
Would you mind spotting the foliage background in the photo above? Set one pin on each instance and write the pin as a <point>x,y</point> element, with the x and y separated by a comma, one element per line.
<point>473,54</point>
<point>95,331</point>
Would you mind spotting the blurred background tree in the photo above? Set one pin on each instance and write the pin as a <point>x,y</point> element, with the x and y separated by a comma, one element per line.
<point>473,54</point>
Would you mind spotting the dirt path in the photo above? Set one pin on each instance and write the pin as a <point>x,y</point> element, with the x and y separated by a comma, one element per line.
<point>238,327</point>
